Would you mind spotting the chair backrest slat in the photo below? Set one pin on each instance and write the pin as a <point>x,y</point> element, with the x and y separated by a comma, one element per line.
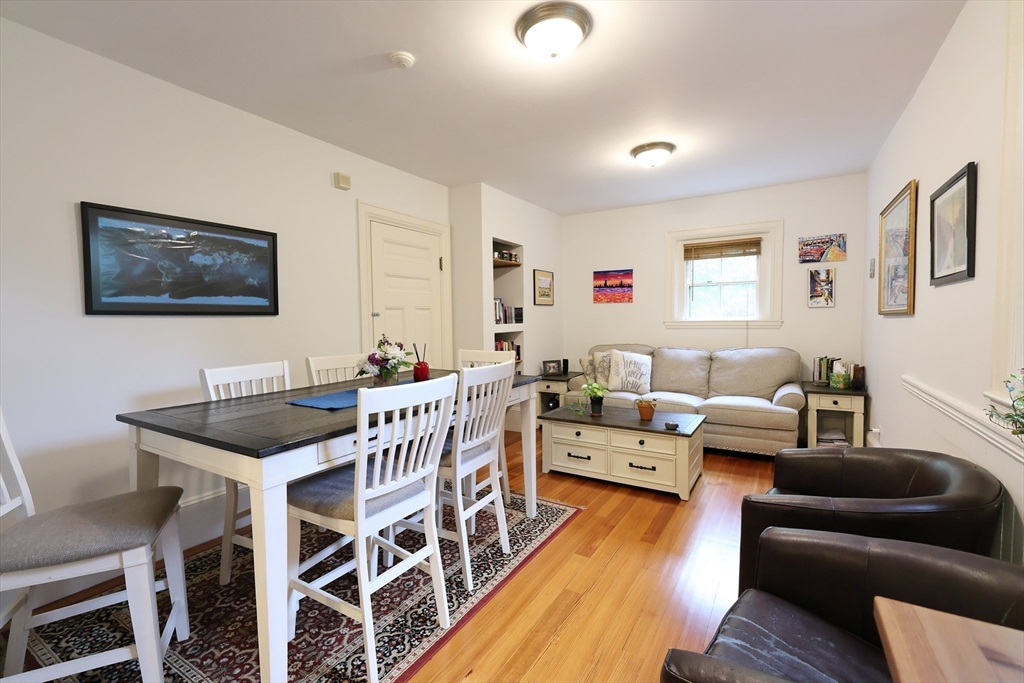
<point>330,369</point>
<point>410,432</point>
<point>483,397</point>
<point>15,497</point>
<point>244,380</point>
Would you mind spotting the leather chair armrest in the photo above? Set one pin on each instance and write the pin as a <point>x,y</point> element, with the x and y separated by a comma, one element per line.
<point>682,666</point>
<point>763,511</point>
<point>790,395</point>
<point>837,577</point>
<point>809,471</point>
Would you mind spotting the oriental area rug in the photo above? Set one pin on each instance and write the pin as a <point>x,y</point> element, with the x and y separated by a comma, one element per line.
<point>328,646</point>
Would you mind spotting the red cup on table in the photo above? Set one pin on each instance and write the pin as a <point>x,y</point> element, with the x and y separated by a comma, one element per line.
<point>420,371</point>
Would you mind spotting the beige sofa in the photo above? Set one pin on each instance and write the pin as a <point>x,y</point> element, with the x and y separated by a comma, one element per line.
<point>750,397</point>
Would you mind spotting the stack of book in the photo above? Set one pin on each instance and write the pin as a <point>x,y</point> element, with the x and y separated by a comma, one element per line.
<point>507,315</point>
<point>833,437</point>
<point>505,345</point>
<point>823,366</point>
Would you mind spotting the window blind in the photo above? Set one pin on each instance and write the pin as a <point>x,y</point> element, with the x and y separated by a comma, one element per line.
<point>726,249</point>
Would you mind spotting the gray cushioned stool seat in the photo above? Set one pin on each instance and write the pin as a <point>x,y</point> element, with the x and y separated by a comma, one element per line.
<point>87,530</point>
<point>446,451</point>
<point>333,493</point>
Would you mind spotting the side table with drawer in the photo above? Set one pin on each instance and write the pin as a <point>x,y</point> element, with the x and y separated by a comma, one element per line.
<point>620,447</point>
<point>551,390</point>
<point>824,398</point>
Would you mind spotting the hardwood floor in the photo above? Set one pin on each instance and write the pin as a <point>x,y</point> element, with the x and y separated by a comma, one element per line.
<point>637,572</point>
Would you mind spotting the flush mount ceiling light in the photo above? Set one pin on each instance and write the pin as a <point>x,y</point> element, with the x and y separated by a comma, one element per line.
<point>553,29</point>
<point>653,153</point>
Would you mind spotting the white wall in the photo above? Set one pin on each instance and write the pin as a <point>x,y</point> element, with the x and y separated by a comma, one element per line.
<point>78,127</point>
<point>635,238</point>
<point>945,348</point>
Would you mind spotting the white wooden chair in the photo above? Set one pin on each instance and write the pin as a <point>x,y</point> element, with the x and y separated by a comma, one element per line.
<point>475,444</point>
<point>471,358</point>
<point>233,382</point>
<point>115,533</point>
<point>394,477</point>
<point>330,369</point>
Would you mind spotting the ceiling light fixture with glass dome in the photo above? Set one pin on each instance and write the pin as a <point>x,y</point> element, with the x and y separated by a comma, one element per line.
<point>653,153</point>
<point>554,29</point>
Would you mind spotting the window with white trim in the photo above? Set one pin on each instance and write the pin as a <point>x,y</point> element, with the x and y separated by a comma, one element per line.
<point>728,276</point>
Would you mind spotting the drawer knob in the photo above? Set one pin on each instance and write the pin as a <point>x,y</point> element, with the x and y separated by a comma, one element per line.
<point>641,442</point>
<point>547,386</point>
<point>835,402</point>
<point>652,468</point>
<point>579,457</point>
<point>579,434</point>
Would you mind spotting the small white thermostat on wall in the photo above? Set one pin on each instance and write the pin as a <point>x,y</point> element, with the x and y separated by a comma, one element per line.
<point>342,181</point>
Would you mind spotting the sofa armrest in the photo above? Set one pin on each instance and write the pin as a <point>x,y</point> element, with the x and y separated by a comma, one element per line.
<point>682,666</point>
<point>790,395</point>
<point>576,382</point>
<point>837,577</point>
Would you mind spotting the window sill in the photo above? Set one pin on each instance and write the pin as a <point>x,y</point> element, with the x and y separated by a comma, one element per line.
<point>723,324</point>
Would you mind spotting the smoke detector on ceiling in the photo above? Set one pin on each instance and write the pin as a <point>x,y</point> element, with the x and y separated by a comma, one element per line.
<point>402,59</point>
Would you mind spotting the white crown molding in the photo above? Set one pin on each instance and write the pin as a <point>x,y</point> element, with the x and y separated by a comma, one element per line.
<point>969,417</point>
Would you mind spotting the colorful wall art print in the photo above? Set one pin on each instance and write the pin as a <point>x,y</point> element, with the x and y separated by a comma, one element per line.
<point>138,262</point>
<point>613,286</point>
<point>897,226</point>
<point>822,248</point>
<point>821,292</point>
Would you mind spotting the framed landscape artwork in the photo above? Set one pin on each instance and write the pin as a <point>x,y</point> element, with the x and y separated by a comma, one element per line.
<point>142,263</point>
<point>896,234</point>
<point>821,287</point>
<point>543,288</point>
<point>953,212</point>
<point>822,248</point>
<point>613,286</point>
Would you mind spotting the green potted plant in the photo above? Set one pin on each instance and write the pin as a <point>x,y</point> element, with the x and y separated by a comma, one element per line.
<point>1014,419</point>
<point>595,391</point>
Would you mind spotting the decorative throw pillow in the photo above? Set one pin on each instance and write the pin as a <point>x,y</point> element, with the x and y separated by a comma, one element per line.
<point>630,372</point>
<point>587,365</point>
<point>602,367</point>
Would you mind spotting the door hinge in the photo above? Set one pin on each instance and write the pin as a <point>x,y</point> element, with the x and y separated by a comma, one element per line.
<point>440,262</point>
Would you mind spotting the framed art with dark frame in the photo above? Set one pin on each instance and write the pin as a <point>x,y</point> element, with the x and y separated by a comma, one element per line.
<point>543,288</point>
<point>142,263</point>
<point>953,211</point>
<point>897,229</point>
<point>551,367</point>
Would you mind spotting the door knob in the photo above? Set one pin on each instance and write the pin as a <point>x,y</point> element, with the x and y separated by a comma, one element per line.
<point>375,314</point>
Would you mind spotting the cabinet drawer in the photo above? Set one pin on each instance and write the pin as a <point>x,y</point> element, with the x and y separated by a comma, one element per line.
<point>579,457</point>
<point>642,441</point>
<point>553,387</point>
<point>641,467</point>
<point>579,434</point>
<point>826,402</point>
<point>339,449</point>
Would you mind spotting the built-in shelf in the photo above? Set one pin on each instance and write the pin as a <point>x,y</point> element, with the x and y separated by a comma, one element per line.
<point>502,263</point>
<point>509,327</point>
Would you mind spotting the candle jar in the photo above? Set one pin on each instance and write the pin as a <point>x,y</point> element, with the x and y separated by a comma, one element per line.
<point>420,371</point>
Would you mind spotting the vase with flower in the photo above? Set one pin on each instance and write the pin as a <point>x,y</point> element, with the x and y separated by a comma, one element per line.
<point>385,363</point>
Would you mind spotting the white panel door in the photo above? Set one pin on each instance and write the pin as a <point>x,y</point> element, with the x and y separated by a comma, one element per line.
<point>406,287</point>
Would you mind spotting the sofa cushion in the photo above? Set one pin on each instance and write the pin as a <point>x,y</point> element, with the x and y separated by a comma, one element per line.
<point>752,372</point>
<point>675,402</point>
<point>602,367</point>
<point>770,634</point>
<point>681,370</point>
<point>587,365</point>
<point>630,372</point>
<point>632,348</point>
<point>747,411</point>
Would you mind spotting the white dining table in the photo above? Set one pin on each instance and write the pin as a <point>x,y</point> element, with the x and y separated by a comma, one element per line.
<point>264,442</point>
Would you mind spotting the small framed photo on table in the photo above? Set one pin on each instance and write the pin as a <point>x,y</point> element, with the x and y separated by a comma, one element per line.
<point>551,367</point>
<point>954,208</point>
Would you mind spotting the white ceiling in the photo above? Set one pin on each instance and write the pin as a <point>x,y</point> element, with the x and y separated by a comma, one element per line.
<point>753,93</point>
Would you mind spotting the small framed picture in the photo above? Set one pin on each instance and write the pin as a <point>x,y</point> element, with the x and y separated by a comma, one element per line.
<point>543,288</point>
<point>954,208</point>
<point>821,287</point>
<point>551,367</point>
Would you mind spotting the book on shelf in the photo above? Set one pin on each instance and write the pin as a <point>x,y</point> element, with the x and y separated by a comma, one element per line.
<point>823,366</point>
<point>505,345</point>
<point>834,438</point>
<point>507,315</point>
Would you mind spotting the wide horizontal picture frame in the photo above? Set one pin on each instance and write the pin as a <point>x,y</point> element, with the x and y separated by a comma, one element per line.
<point>954,208</point>
<point>144,263</point>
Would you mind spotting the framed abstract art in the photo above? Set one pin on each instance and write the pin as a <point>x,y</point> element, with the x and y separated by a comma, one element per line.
<point>953,212</point>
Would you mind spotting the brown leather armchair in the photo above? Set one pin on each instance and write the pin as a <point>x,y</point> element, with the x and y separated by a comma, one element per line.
<point>810,617</point>
<point>898,493</point>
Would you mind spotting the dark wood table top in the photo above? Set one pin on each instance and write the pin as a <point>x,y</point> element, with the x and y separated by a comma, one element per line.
<point>259,426</point>
<point>561,376</point>
<point>628,418</point>
<point>812,388</point>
